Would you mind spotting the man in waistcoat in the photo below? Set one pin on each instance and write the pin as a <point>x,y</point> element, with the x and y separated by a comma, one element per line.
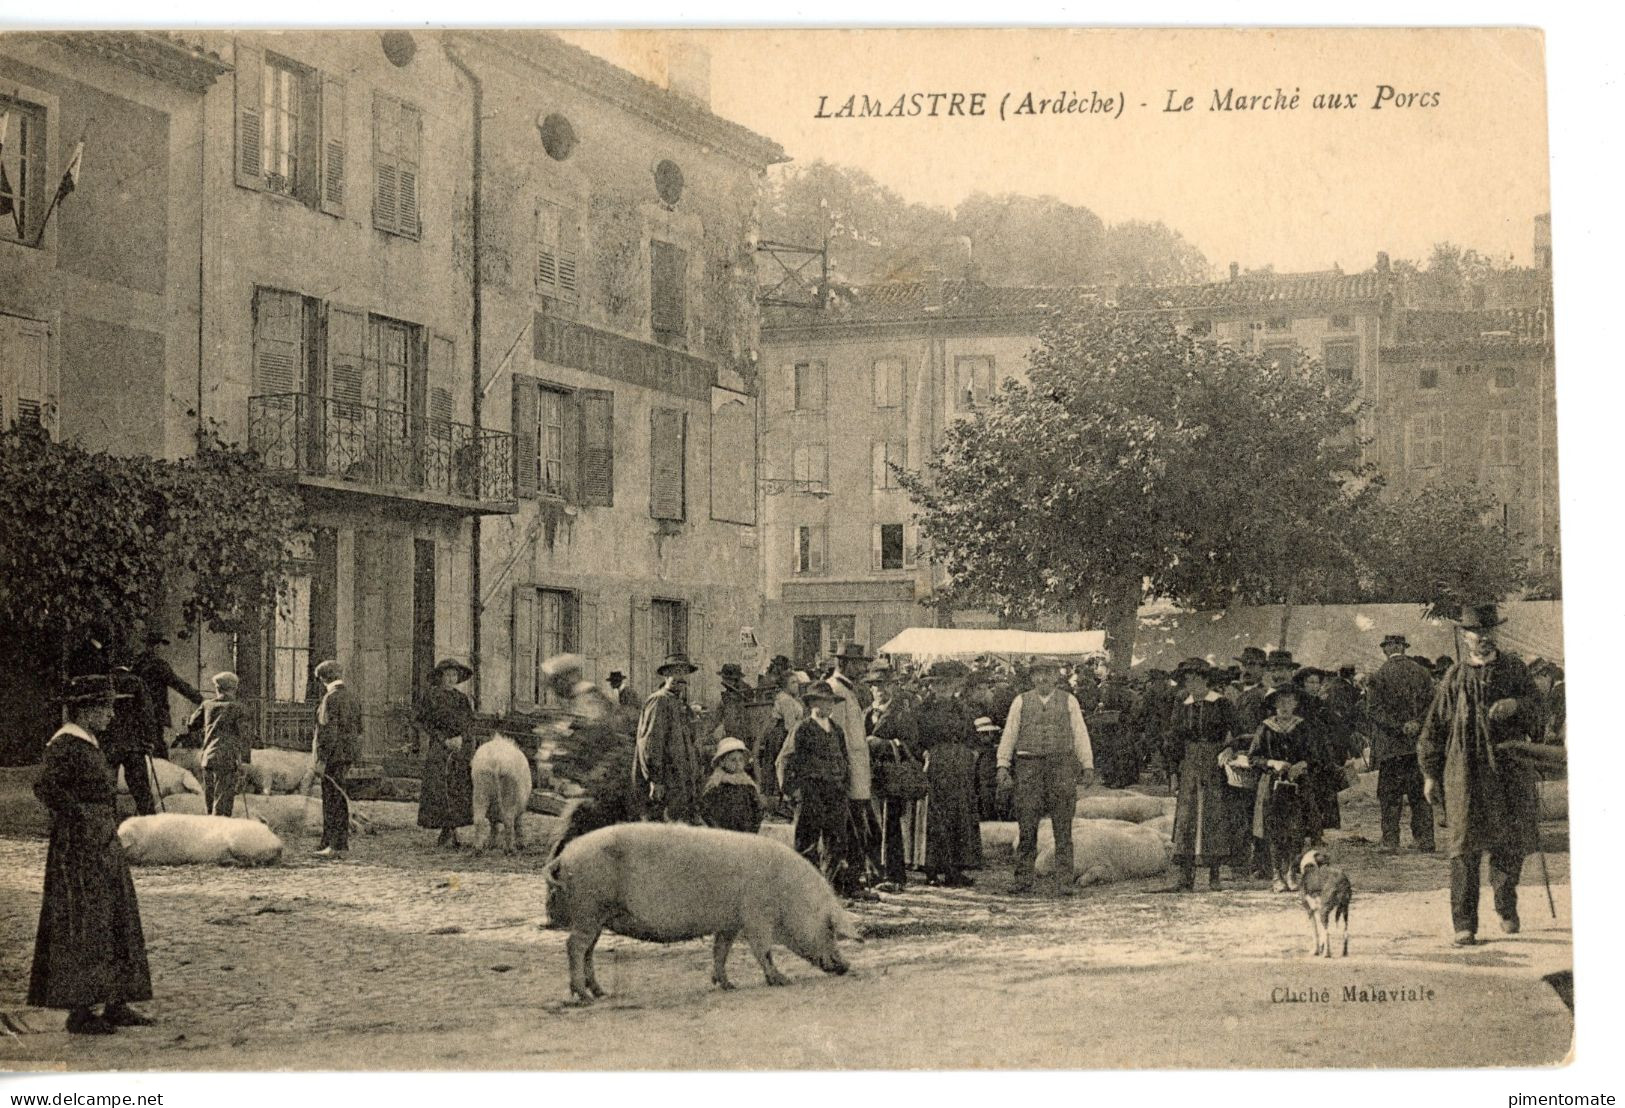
<point>1044,747</point>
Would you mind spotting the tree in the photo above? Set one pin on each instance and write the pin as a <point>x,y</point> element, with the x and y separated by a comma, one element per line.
<point>1440,546</point>
<point>1138,460</point>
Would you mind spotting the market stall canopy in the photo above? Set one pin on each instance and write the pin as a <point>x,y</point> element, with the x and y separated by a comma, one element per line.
<point>928,644</point>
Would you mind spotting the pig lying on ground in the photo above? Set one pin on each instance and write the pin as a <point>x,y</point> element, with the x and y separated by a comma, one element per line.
<point>1162,825</point>
<point>501,792</point>
<point>665,882</point>
<point>1103,850</point>
<point>172,839</point>
<point>170,779</point>
<point>1132,807</point>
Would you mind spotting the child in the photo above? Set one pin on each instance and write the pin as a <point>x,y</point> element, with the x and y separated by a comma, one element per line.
<point>225,729</point>
<point>731,799</point>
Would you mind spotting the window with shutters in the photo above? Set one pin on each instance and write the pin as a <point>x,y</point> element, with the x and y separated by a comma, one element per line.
<point>889,382</point>
<point>973,381</point>
<point>1341,360</point>
<point>1505,446</point>
<point>25,394</point>
<point>1426,446</point>
<point>883,456</point>
<point>809,465</point>
<point>889,551</point>
<point>668,628</point>
<point>807,386</point>
<point>290,129</point>
<point>397,141</point>
<point>558,248</point>
<point>667,450</point>
<point>668,285</point>
<point>812,549</point>
<point>546,623</point>
<point>22,169</point>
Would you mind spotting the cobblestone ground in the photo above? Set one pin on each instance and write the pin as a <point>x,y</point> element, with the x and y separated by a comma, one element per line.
<point>403,957</point>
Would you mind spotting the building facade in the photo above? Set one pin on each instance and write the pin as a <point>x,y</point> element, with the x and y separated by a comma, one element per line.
<point>1465,394</point>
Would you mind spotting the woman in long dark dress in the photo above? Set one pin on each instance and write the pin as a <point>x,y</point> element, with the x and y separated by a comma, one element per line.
<point>446,716</point>
<point>1323,811</point>
<point>1282,745</point>
<point>1203,728</point>
<point>89,949</point>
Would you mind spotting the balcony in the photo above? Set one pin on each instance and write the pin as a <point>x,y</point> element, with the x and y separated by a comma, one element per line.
<point>341,445</point>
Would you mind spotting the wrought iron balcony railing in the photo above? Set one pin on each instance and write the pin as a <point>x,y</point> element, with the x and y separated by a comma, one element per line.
<point>376,448</point>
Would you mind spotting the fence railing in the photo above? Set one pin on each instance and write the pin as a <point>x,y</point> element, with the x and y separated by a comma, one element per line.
<point>382,448</point>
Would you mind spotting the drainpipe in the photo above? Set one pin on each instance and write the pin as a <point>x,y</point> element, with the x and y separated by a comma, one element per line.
<point>202,291</point>
<point>475,376</point>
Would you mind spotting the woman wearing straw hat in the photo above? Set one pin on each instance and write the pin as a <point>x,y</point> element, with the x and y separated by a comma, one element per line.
<point>89,949</point>
<point>446,717</point>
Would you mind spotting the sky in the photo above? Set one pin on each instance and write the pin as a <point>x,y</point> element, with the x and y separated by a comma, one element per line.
<point>1302,189</point>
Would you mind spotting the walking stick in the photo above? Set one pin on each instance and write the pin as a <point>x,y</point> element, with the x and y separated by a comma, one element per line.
<point>157,789</point>
<point>1546,880</point>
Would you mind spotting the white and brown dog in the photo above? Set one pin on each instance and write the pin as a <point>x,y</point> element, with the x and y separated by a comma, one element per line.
<point>1326,894</point>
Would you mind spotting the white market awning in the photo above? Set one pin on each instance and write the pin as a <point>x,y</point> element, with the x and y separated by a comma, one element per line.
<point>928,644</point>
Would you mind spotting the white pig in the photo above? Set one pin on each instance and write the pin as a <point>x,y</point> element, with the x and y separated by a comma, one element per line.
<point>173,839</point>
<point>278,771</point>
<point>666,882</point>
<point>166,779</point>
<point>501,792</point>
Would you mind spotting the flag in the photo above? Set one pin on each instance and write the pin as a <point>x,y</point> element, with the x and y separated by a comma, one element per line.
<point>70,179</point>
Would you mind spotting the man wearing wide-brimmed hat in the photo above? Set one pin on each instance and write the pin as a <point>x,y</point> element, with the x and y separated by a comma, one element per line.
<point>337,748</point>
<point>1485,699</point>
<point>89,949</point>
<point>668,770</point>
<point>816,775</point>
<point>1044,747</point>
<point>1397,697</point>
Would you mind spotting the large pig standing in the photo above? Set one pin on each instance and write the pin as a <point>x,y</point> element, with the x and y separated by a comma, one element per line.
<point>501,791</point>
<point>173,839</point>
<point>667,882</point>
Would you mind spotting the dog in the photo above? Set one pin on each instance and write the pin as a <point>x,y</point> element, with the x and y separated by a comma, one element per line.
<point>1326,893</point>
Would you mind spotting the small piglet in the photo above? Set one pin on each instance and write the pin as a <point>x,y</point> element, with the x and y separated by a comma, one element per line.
<point>501,792</point>
<point>174,839</point>
<point>666,882</point>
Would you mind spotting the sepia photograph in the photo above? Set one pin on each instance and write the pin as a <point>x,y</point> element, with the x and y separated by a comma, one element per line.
<point>781,549</point>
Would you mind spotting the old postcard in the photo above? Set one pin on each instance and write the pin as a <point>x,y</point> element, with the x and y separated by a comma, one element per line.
<point>763,550</point>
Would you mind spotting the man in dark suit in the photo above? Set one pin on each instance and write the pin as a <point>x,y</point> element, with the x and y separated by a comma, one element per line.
<point>337,748</point>
<point>159,677</point>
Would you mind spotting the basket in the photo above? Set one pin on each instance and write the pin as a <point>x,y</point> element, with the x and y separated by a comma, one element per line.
<point>1239,774</point>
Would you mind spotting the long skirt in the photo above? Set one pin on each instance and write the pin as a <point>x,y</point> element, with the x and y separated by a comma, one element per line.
<point>1205,827</point>
<point>446,801</point>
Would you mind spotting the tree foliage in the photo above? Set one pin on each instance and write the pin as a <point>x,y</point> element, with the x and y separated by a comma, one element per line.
<point>1135,456</point>
<point>96,538</point>
<point>1440,546</point>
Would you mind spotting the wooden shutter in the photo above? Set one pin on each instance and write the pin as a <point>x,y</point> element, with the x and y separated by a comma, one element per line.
<point>442,376</point>
<point>417,357</point>
<point>570,454</point>
<point>569,252</point>
<point>526,448</point>
<point>385,173</point>
<point>278,342</point>
<point>524,647</point>
<point>346,353</point>
<point>25,346</point>
<point>911,540</point>
<point>668,307</point>
<point>877,546</point>
<point>324,612</point>
<point>250,136</point>
<point>333,148</point>
<point>877,464</point>
<point>666,456</point>
<point>597,447</point>
<point>409,155</point>
<point>818,551</point>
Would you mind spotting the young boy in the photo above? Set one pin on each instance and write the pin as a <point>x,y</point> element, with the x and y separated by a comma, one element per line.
<point>731,799</point>
<point>226,742</point>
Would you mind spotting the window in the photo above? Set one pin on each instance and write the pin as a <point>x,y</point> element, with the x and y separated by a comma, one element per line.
<point>807,386</point>
<point>1201,327</point>
<point>290,647</point>
<point>290,129</point>
<point>1341,360</point>
<point>1429,377</point>
<point>668,629</point>
<point>397,140</point>
<point>25,397</point>
<point>668,433</point>
<point>1506,377</point>
<point>668,284</point>
<point>558,245</point>
<point>545,624</point>
<point>304,626</point>
<point>891,546</point>
<point>889,382</point>
<point>22,169</point>
<point>884,455</point>
<point>1281,356</point>
<point>1426,440</point>
<point>1342,323</point>
<point>818,637</point>
<point>812,548</point>
<point>1278,323</point>
<point>809,464</point>
<point>973,381</point>
<point>1505,447</point>
<point>564,442</point>
<point>550,412</point>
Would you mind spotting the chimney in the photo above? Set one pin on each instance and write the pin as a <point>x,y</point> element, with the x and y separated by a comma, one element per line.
<point>1235,270</point>
<point>1382,261</point>
<point>688,72</point>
